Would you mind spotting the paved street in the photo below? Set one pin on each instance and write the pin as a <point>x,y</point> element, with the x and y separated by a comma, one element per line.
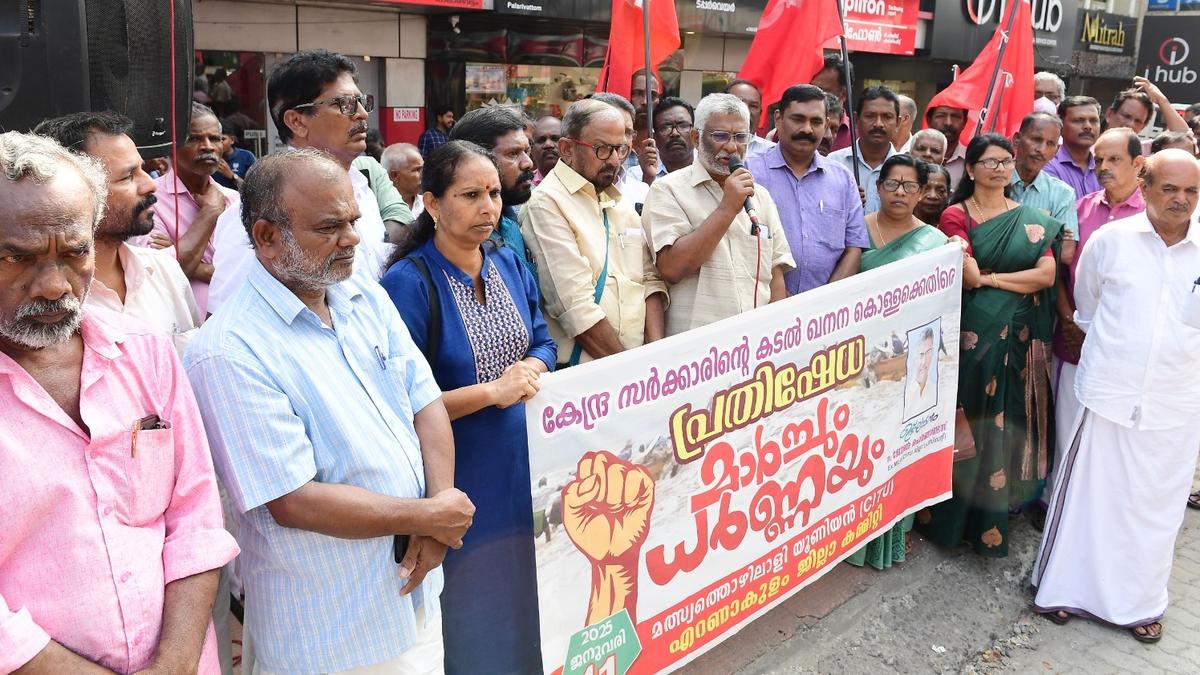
<point>952,612</point>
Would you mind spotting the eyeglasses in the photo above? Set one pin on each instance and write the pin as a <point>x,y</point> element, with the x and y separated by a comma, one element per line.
<point>911,187</point>
<point>604,150</point>
<point>347,105</point>
<point>682,128</point>
<point>993,163</point>
<point>723,137</point>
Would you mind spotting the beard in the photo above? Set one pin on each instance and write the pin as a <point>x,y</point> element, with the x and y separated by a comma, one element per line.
<point>299,270</point>
<point>24,332</point>
<point>516,194</point>
<point>137,223</point>
<point>709,158</point>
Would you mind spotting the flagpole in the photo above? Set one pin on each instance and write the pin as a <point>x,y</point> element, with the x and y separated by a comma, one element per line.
<point>649,81</point>
<point>986,111</point>
<point>849,112</point>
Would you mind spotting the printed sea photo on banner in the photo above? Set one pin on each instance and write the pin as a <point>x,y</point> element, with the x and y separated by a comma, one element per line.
<point>686,487</point>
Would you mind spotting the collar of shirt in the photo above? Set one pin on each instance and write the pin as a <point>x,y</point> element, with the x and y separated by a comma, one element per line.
<point>1135,201</point>
<point>1140,222</point>
<point>698,175</point>
<point>959,155</point>
<point>576,183</point>
<point>286,304</point>
<point>1039,183</point>
<point>167,184</point>
<point>861,161</point>
<point>1063,157</point>
<point>775,160</point>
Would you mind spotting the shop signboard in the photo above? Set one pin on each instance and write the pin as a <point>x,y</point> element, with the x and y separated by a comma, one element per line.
<point>1170,55</point>
<point>731,17</point>
<point>962,27</point>
<point>452,4</point>
<point>1106,33</point>
<point>579,10</point>
<point>880,26</point>
<point>1162,6</point>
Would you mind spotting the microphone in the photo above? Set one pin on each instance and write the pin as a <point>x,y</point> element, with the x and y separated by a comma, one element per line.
<point>735,163</point>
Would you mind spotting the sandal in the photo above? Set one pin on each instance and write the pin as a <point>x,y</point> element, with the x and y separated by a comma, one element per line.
<point>1194,500</point>
<point>1147,636</point>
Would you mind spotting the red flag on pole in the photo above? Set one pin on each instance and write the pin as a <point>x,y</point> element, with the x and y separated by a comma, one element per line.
<point>626,49</point>
<point>1010,75</point>
<point>787,47</point>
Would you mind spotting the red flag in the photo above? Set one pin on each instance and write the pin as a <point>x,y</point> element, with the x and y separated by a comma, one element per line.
<point>787,47</point>
<point>626,49</point>
<point>1012,97</point>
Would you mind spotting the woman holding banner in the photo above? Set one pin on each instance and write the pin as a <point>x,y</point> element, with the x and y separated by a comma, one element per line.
<point>895,234</point>
<point>472,309</point>
<point>1004,368</point>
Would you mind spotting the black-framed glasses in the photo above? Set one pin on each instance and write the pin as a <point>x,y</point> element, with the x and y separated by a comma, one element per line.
<point>993,163</point>
<point>347,105</point>
<point>723,137</point>
<point>911,187</point>
<point>682,128</point>
<point>604,150</point>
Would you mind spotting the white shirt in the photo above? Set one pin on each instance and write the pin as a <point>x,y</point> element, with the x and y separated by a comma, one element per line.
<point>157,293</point>
<point>233,254</point>
<point>917,400</point>
<point>1134,298</point>
<point>757,146</point>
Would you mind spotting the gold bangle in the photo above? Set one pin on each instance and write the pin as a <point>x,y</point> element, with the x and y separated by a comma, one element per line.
<point>995,283</point>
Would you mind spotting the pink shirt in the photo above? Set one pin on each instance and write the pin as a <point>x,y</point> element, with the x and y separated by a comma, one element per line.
<point>1094,211</point>
<point>93,532</point>
<point>164,221</point>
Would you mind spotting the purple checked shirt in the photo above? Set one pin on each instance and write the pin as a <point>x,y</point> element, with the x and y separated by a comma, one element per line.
<point>821,212</point>
<point>1063,168</point>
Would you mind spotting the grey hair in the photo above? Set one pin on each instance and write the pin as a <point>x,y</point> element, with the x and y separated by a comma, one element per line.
<point>394,154</point>
<point>262,190</point>
<point>200,110</point>
<point>615,100</point>
<point>932,133</point>
<point>581,113</point>
<point>38,158</point>
<point>1047,76</point>
<point>720,104</point>
<point>908,106</point>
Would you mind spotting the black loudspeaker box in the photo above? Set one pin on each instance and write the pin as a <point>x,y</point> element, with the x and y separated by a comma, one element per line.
<point>64,56</point>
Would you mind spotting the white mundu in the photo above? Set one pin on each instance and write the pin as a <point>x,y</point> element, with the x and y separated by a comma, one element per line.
<point>1120,492</point>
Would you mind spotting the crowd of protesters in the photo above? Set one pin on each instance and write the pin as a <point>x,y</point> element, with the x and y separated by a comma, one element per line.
<point>297,381</point>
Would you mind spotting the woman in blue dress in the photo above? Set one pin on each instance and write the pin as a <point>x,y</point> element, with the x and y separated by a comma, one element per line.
<point>480,327</point>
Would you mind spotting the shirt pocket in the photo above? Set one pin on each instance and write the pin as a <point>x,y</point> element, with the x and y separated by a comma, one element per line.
<point>150,475</point>
<point>825,227</point>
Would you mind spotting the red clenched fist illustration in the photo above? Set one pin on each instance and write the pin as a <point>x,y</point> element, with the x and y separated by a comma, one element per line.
<point>606,512</point>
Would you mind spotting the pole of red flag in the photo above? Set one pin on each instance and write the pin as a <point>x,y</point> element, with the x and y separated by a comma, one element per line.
<point>986,112</point>
<point>649,81</point>
<point>849,94</point>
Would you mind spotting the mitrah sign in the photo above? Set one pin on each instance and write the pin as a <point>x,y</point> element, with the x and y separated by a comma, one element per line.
<point>1167,56</point>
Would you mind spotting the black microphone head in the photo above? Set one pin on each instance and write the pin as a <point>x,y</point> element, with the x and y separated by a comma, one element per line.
<point>735,163</point>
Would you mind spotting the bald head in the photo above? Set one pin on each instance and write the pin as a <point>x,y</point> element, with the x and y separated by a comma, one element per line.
<point>1118,154</point>
<point>1171,186</point>
<point>404,165</point>
<point>264,187</point>
<point>908,112</point>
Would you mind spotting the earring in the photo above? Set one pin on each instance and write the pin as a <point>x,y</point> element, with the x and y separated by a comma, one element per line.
<point>435,222</point>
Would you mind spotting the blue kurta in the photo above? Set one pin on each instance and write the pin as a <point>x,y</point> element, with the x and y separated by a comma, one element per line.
<point>489,605</point>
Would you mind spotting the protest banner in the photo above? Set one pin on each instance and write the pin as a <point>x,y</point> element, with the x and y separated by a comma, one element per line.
<point>685,488</point>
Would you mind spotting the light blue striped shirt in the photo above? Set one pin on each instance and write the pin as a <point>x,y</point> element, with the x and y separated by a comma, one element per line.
<point>1049,195</point>
<point>285,401</point>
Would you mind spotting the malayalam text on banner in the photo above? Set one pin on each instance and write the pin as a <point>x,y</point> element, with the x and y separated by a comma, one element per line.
<point>684,488</point>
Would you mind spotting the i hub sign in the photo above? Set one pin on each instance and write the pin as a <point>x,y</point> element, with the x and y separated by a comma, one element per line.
<point>1167,57</point>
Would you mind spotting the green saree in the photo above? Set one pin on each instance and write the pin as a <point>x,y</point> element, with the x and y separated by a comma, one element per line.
<point>1004,388</point>
<point>889,547</point>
